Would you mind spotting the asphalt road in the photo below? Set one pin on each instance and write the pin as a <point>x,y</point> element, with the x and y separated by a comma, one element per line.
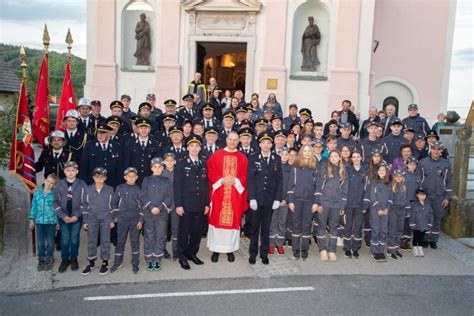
<point>298,295</point>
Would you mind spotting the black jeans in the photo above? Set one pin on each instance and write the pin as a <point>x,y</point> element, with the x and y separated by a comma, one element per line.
<point>418,237</point>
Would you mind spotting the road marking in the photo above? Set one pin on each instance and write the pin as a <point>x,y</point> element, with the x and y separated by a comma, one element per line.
<point>201,293</point>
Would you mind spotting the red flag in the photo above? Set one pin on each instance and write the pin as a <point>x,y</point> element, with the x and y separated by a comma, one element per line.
<point>67,101</point>
<point>41,111</point>
<point>22,156</point>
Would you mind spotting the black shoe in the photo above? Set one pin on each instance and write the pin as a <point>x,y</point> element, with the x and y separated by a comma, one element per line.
<point>252,259</point>
<point>135,269</point>
<point>230,257</point>
<point>215,257</point>
<point>166,254</point>
<point>296,254</point>
<point>304,255</point>
<point>355,254</point>
<point>433,245</point>
<point>41,264</point>
<point>288,242</point>
<point>48,264</point>
<point>74,264</point>
<point>88,269</point>
<point>265,260</point>
<point>63,266</point>
<point>184,264</point>
<point>367,243</point>
<point>425,244</point>
<point>376,257</point>
<point>348,254</point>
<point>393,256</point>
<point>382,257</point>
<point>197,261</point>
<point>104,268</point>
<point>399,255</point>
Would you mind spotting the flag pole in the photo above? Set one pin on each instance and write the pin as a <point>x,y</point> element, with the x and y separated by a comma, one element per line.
<point>46,39</point>
<point>23,80</point>
<point>69,43</point>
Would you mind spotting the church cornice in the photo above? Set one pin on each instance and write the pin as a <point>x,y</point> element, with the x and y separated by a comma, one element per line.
<point>216,5</point>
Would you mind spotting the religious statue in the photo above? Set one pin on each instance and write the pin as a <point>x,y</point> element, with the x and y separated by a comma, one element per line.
<point>310,41</point>
<point>142,35</point>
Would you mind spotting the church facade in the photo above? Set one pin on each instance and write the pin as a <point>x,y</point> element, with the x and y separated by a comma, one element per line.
<point>314,53</point>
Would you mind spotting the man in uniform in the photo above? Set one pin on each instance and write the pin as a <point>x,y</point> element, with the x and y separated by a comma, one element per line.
<point>208,119</point>
<point>95,112</point>
<point>116,109</point>
<point>393,142</point>
<point>86,123</point>
<point>210,147</point>
<point>163,137</point>
<point>437,177</point>
<point>53,158</point>
<point>346,138</point>
<point>144,110</point>
<point>176,146</point>
<point>187,112</point>
<point>127,112</point>
<point>371,142</point>
<point>415,121</point>
<point>155,111</point>
<point>170,109</point>
<point>139,153</point>
<point>102,153</point>
<point>265,189</point>
<point>191,195</point>
<point>75,138</point>
<point>228,120</point>
<point>292,117</point>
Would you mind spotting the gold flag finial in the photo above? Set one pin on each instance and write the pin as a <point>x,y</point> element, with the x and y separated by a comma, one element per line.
<point>46,39</point>
<point>69,42</point>
<point>23,61</point>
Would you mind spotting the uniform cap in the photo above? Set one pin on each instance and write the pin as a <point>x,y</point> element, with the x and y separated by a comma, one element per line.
<point>71,164</point>
<point>144,105</point>
<point>169,117</point>
<point>412,159</point>
<point>413,106</point>
<point>305,111</point>
<point>103,128</point>
<point>84,102</point>
<point>345,125</point>
<point>169,154</point>
<point>113,119</point>
<point>170,102</point>
<point>116,104</point>
<point>208,106</point>
<point>142,121</point>
<point>437,144</point>
<point>265,135</point>
<point>71,113</point>
<point>397,172</point>
<point>150,96</point>
<point>432,133</point>
<point>99,170</point>
<point>130,169</point>
<point>279,133</point>
<point>275,116</point>
<point>228,114</point>
<point>421,190</point>
<point>193,139</point>
<point>188,97</point>
<point>125,96</point>
<point>397,121</point>
<point>175,129</point>
<point>157,161</point>
<point>241,108</point>
<point>57,133</point>
<point>96,102</point>
<point>211,130</point>
<point>245,131</point>
<point>261,121</point>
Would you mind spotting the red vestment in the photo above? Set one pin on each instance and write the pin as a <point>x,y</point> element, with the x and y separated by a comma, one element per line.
<point>228,202</point>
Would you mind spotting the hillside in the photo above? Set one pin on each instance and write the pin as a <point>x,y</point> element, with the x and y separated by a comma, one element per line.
<point>57,61</point>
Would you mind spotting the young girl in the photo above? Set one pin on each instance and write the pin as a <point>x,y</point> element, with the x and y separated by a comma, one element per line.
<point>331,202</point>
<point>293,154</point>
<point>357,177</point>
<point>173,218</point>
<point>421,220</point>
<point>346,153</point>
<point>377,202</point>
<point>278,223</point>
<point>301,187</point>
<point>396,217</point>
<point>412,182</point>
<point>44,218</point>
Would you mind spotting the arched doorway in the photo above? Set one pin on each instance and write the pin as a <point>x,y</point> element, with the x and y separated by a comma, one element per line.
<point>393,101</point>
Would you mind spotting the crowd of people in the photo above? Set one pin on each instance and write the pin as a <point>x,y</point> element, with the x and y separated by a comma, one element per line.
<point>219,167</point>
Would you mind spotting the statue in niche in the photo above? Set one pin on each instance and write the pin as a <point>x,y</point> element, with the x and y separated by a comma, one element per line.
<point>143,37</point>
<point>309,46</point>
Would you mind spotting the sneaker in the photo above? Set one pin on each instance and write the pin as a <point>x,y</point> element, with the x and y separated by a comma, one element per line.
<point>355,254</point>
<point>74,264</point>
<point>296,254</point>
<point>414,251</point>
<point>280,250</point>
<point>393,256</point>
<point>433,245</point>
<point>166,254</point>
<point>48,264</point>
<point>40,266</point>
<point>399,255</point>
<point>104,268</point>
<point>340,242</point>
<point>332,256</point>
<point>63,266</point>
<point>135,269</point>
<point>376,256</point>
<point>149,266</point>
<point>304,255</point>
<point>271,250</point>
<point>88,269</point>
<point>425,244</point>
<point>323,254</point>
<point>157,266</point>
<point>367,243</point>
<point>420,252</point>
<point>383,258</point>
<point>348,254</point>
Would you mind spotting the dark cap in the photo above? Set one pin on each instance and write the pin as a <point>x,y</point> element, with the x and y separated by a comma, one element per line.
<point>276,116</point>
<point>413,106</point>
<point>421,190</point>
<point>143,122</point>
<point>208,106</point>
<point>116,104</point>
<point>397,121</point>
<point>241,108</point>
<point>170,102</point>
<point>188,97</point>
<point>265,135</point>
<point>279,133</point>
<point>375,151</point>
<point>130,169</point>
<point>157,161</point>
<point>71,164</point>
<point>432,133</point>
<point>333,122</point>
<point>125,96</point>
<point>245,131</point>
<point>345,125</point>
<point>103,128</point>
<point>150,96</point>
<point>373,123</point>
<point>305,111</point>
<point>113,119</point>
<point>293,105</point>
<point>169,117</point>
<point>175,129</point>
<point>438,144</point>
<point>144,105</point>
<point>211,130</point>
<point>193,139</point>
<point>134,118</point>
<point>228,114</point>
<point>96,102</point>
<point>412,159</point>
<point>260,121</point>
<point>169,154</point>
<point>99,170</point>
<point>319,141</point>
<point>398,172</point>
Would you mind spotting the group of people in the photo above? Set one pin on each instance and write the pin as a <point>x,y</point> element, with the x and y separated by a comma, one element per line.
<point>194,171</point>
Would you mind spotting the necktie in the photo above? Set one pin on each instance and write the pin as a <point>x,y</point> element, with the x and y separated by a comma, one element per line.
<point>246,151</point>
<point>104,147</point>
<point>143,145</point>
<point>196,164</point>
<point>56,155</point>
<point>207,124</point>
<point>191,112</point>
<point>71,135</point>
<point>211,149</point>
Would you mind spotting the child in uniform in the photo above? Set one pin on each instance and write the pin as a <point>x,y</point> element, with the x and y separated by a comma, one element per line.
<point>67,204</point>
<point>97,211</point>
<point>421,220</point>
<point>128,216</point>
<point>396,216</point>
<point>412,182</point>
<point>157,194</point>
<point>43,217</point>
<point>168,172</point>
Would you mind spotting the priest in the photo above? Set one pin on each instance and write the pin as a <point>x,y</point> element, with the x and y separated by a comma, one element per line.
<point>227,174</point>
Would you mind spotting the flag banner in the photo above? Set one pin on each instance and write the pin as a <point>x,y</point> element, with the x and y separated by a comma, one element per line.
<point>67,101</point>
<point>40,126</point>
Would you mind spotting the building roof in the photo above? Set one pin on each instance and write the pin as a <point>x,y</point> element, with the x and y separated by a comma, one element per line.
<point>8,80</point>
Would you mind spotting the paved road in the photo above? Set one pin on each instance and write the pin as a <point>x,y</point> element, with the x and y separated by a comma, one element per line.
<point>309,295</point>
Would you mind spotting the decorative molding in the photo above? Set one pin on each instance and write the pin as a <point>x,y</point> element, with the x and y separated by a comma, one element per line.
<point>221,22</point>
<point>222,5</point>
<point>308,78</point>
<point>410,86</point>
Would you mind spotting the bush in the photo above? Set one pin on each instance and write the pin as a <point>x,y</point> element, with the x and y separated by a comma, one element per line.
<point>7,122</point>
<point>2,182</point>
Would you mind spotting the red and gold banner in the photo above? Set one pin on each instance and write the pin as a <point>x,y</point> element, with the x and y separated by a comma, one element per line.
<point>67,101</point>
<point>41,112</point>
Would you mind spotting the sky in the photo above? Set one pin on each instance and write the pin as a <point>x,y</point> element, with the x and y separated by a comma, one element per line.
<point>22,21</point>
